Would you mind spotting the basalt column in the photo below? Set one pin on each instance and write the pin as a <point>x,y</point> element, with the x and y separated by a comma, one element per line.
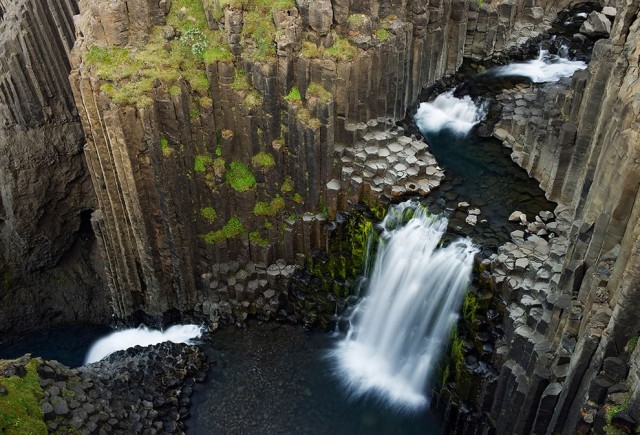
<point>46,197</point>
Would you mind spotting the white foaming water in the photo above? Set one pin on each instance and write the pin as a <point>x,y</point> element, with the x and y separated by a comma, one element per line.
<point>140,336</point>
<point>546,68</point>
<point>400,329</point>
<point>447,111</point>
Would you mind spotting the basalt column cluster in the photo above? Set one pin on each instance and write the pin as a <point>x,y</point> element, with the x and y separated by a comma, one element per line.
<point>47,249</point>
<point>216,129</point>
<point>568,359</point>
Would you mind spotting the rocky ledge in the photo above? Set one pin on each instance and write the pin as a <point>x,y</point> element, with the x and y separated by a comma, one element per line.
<point>140,390</point>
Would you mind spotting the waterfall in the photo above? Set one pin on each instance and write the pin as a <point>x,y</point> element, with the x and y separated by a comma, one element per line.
<point>446,111</point>
<point>141,336</point>
<point>546,68</point>
<point>402,325</point>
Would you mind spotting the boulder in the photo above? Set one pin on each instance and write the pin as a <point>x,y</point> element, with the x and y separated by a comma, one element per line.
<point>597,25</point>
<point>516,216</point>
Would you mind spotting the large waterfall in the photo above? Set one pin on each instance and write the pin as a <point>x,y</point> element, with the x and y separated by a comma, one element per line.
<point>400,328</point>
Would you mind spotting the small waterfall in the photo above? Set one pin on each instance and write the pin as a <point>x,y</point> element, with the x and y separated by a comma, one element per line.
<point>141,336</point>
<point>446,111</point>
<point>546,68</point>
<point>402,325</point>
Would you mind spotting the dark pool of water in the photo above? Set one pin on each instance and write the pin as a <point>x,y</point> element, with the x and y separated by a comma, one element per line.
<point>480,171</point>
<point>276,379</point>
<point>66,344</point>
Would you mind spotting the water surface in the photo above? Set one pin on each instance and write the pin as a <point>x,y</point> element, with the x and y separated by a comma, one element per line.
<point>277,379</point>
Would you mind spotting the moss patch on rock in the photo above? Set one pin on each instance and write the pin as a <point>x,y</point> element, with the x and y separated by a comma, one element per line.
<point>20,412</point>
<point>240,177</point>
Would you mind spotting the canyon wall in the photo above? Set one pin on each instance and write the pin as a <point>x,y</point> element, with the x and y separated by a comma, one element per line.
<point>46,196</point>
<point>217,159</point>
<point>570,351</point>
<point>217,155</point>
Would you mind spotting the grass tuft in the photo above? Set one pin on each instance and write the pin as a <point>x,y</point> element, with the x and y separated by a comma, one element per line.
<point>20,408</point>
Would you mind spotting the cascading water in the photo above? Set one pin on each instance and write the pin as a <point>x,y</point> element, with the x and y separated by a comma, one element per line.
<point>141,336</point>
<point>546,68</point>
<point>400,328</point>
<point>456,114</point>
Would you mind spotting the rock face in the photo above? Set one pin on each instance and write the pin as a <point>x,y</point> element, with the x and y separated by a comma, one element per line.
<point>217,157</point>
<point>241,153</point>
<point>46,196</point>
<point>573,335</point>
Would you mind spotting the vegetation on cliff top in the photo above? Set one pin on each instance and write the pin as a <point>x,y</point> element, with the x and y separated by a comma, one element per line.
<point>20,408</point>
<point>131,73</point>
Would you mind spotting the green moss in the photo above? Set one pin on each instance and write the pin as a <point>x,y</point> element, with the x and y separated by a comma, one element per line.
<point>270,209</point>
<point>287,185</point>
<point>209,213</point>
<point>199,81</point>
<point>610,411</point>
<point>262,32</point>
<point>469,307</point>
<point>240,81</point>
<point>20,409</point>
<point>263,160</point>
<point>175,90</point>
<point>304,116</point>
<point>187,14</point>
<point>382,34</point>
<point>310,50</point>
<point>205,102</point>
<point>164,146</point>
<point>194,113</point>
<point>240,177</point>
<point>631,345</point>
<point>233,228</point>
<point>213,237</point>
<point>297,198</point>
<point>294,95</point>
<point>342,49</point>
<point>257,238</point>
<point>316,90</point>
<point>201,162</point>
<point>457,357</point>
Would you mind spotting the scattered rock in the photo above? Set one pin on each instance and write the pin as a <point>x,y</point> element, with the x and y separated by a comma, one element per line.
<point>596,25</point>
<point>515,216</point>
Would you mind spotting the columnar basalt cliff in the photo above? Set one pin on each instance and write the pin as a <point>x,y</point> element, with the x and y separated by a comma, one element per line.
<point>208,144</point>
<point>46,196</point>
<point>216,159</point>
<point>569,353</point>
